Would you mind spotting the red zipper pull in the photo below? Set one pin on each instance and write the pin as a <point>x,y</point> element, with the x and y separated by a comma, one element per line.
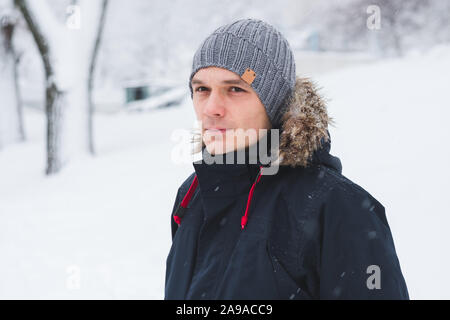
<point>181,210</point>
<point>244,218</point>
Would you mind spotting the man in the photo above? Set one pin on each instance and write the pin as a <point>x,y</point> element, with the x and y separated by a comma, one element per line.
<point>305,232</point>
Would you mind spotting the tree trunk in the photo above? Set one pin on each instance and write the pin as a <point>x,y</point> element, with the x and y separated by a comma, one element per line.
<point>69,83</point>
<point>92,76</point>
<point>11,120</point>
<point>9,132</point>
<point>53,108</point>
<point>53,96</point>
<point>19,105</point>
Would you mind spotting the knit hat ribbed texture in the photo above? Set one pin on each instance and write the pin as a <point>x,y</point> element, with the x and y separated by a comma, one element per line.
<point>258,53</point>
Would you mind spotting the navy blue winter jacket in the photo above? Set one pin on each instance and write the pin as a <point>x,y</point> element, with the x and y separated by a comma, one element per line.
<point>311,233</point>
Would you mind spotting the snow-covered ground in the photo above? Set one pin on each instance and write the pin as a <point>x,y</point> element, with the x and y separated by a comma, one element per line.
<point>101,228</point>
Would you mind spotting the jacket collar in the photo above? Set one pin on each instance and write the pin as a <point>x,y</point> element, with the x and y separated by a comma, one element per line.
<point>222,184</point>
<point>224,179</point>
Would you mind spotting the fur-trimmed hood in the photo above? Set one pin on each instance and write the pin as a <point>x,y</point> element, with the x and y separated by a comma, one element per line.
<point>304,137</point>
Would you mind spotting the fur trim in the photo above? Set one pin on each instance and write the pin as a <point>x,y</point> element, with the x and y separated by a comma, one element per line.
<point>304,124</point>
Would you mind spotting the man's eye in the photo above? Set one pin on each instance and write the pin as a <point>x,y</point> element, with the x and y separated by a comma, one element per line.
<point>238,89</point>
<point>198,89</point>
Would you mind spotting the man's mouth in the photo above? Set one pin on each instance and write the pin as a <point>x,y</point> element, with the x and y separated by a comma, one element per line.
<point>216,130</point>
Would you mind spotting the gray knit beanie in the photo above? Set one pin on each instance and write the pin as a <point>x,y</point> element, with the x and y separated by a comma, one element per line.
<point>258,53</point>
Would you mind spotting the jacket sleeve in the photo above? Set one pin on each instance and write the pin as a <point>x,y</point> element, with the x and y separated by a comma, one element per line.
<point>358,258</point>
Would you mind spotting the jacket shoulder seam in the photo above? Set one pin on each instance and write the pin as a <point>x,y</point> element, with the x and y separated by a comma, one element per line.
<point>344,181</point>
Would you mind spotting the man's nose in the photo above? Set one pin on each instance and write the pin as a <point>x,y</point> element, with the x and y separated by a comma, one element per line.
<point>215,106</point>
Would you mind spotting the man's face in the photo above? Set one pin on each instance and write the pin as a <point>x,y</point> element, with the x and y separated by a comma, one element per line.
<point>230,111</point>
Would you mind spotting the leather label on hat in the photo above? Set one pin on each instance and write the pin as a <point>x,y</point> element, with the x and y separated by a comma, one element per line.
<point>248,76</point>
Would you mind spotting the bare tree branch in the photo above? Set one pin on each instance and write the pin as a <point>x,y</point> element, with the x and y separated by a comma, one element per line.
<point>39,37</point>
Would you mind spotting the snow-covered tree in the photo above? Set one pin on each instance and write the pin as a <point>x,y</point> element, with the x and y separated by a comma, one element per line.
<point>403,25</point>
<point>157,39</point>
<point>68,49</point>
<point>11,121</point>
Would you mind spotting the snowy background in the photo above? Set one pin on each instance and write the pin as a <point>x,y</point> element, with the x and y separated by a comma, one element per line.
<point>99,228</point>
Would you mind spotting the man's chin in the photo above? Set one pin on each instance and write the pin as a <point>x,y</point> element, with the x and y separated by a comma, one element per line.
<point>215,150</point>
<point>218,149</point>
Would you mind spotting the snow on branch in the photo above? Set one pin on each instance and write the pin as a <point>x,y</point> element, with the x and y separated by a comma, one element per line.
<point>40,21</point>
